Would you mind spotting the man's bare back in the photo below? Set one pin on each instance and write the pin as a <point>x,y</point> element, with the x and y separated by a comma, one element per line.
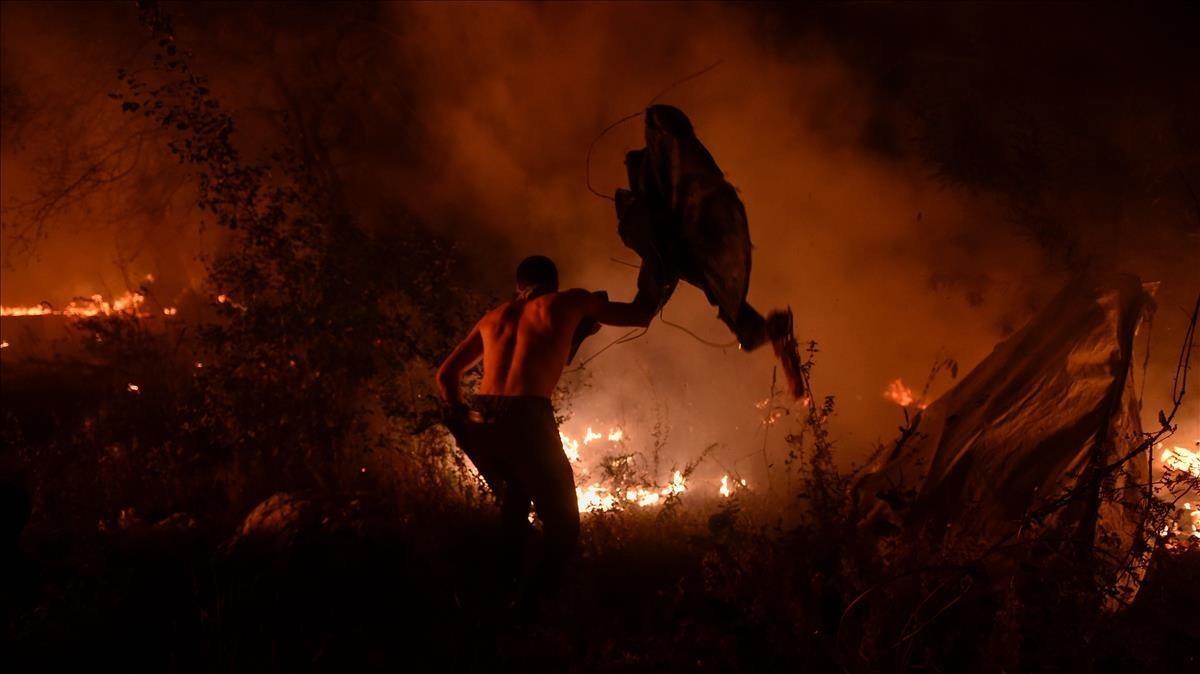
<point>525,343</point>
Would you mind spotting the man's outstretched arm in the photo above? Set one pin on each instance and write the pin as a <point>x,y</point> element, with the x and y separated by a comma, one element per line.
<point>466,354</point>
<point>635,314</point>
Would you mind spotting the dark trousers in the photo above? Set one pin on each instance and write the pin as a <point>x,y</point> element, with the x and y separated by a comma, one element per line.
<point>514,444</point>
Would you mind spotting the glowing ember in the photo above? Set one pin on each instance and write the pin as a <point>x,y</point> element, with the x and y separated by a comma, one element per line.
<point>226,299</point>
<point>4,345</point>
<point>170,311</point>
<point>133,388</point>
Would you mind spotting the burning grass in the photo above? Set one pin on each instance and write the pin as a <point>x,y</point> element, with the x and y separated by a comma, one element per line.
<point>610,475</point>
<point>149,548</point>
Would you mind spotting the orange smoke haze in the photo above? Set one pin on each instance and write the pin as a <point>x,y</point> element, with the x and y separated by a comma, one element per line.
<point>475,119</point>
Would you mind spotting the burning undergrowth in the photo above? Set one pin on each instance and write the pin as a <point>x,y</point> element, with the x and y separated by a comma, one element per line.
<point>675,571</point>
<point>612,473</point>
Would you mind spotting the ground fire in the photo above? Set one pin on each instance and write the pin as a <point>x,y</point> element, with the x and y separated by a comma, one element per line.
<point>96,305</point>
<point>596,496</point>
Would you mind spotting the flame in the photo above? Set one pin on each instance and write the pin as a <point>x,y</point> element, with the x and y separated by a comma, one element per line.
<point>96,305</point>
<point>902,395</point>
<point>3,344</point>
<point>1184,528</point>
<point>596,496</point>
<point>570,447</point>
<point>728,487</point>
<point>1178,458</point>
<point>898,393</point>
<point>40,310</point>
<point>1186,525</point>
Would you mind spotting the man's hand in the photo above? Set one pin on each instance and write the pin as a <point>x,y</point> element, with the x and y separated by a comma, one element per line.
<point>463,357</point>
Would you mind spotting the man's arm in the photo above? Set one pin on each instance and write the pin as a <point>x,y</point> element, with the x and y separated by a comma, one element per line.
<point>635,314</point>
<point>459,361</point>
<point>654,288</point>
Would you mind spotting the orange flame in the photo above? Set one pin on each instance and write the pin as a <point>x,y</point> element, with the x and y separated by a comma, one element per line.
<point>898,393</point>
<point>594,495</point>
<point>1178,458</point>
<point>728,487</point>
<point>96,305</point>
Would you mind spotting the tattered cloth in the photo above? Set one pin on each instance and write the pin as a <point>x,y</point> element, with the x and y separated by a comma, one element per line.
<point>686,221</point>
<point>1027,431</point>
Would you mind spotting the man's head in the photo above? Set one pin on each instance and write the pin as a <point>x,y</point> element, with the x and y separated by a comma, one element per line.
<point>537,275</point>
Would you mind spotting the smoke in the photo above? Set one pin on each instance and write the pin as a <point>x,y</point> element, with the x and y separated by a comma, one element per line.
<point>902,205</point>
<point>513,103</point>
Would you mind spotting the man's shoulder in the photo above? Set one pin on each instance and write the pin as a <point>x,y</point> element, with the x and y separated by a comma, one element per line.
<point>574,293</point>
<point>575,297</point>
<point>495,313</point>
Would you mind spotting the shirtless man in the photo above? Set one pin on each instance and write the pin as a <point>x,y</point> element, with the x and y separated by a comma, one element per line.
<point>510,433</point>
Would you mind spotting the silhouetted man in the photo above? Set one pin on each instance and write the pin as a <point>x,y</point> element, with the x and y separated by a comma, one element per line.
<point>510,433</point>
